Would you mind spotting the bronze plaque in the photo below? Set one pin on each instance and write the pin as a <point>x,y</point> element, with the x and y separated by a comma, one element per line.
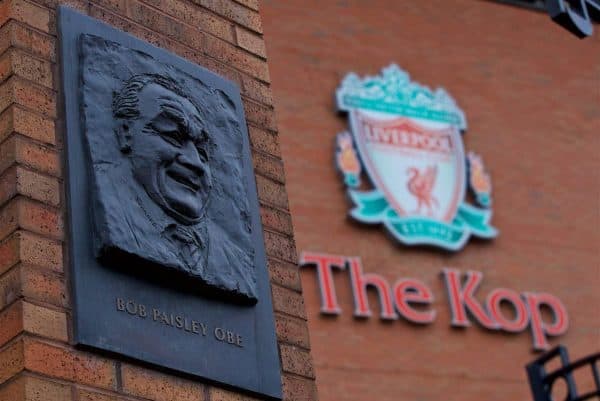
<point>166,247</point>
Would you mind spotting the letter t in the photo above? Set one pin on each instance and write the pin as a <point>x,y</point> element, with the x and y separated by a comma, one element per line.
<point>324,264</point>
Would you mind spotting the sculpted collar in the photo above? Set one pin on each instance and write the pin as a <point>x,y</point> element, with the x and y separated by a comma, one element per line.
<point>188,242</point>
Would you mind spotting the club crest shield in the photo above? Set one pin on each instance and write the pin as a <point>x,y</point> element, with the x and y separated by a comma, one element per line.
<point>408,140</point>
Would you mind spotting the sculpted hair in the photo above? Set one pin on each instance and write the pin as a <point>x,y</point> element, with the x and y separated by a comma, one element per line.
<point>125,102</point>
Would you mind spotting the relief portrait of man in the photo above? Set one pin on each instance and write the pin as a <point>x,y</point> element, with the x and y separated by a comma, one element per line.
<point>167,169</point>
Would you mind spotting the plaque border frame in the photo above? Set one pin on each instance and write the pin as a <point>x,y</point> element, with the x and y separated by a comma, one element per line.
<point>262,374</point>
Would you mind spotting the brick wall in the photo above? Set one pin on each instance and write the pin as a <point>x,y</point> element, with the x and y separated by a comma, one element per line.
<point>530,91</point>
<point>37,361</point>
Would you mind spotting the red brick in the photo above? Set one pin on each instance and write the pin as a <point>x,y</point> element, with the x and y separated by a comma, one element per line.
<point>292,330</point>
<point>263,116</point>
<point>45,322</point>
<point>219,68</point>
<point>9,252</point>
<point>33,96</point>
<point>285,274</point>
<point>79,5</point>
<point>33,125</point>
<point>159,387</point>
<point>119,6</point>
<point>18,180</point>
<point>264,141</point>
<point>298,388</point>
<point>10,286</point>
<point>256,90</point>
<point>29,248</point>
<point>31,68</point>
<point>6,94</point>
<point>280,246</point>
<point>23,316</point>
<point>85,395</point>
<point>39,285</point>
<point>13,390</point>
<point>6,123</point>
<point>39,44</point>
<point>5,8</point>
<point>8,185</point>
<point>25,93</point>
<point>296,360</point>
<point>69,364</point>
<point>31,154</point>
<point>4,37</point>
<point>39,218</point>
<point>219,394</point>
<point>253,4</point>
<point>155,20</point>
<point>236,57</point>
<point>126,25</point>
<point>8,154</point>
<point>197,17</point>
<point>236,12</point>
<point>11,360</point>
<point>271,192</point>
<point>36,186</point>
<point>9,219</point>
<point>6,69</point>
<point>11,322</point>
<point>268,166</point>
<point>288,301</point>
<point>40,251</point>
<point>276,219</point>
<point>38,389</point>
<point>251,42</point>
<point>31,14</point>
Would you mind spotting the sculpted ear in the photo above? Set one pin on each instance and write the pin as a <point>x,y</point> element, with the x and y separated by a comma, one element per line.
<point>123,132</point>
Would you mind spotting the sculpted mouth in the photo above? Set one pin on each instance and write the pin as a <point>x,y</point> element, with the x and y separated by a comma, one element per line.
<point>188,180</point>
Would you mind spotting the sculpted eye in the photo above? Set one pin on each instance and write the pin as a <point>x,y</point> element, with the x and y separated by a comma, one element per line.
<point>173,137</point>
<point>170,128</point>
<point>202,153</point>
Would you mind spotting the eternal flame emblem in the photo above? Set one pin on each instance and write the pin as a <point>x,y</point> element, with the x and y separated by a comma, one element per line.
<point>409,142</point>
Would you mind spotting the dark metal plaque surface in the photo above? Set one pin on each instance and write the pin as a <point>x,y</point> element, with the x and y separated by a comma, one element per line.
<point>166,248</point>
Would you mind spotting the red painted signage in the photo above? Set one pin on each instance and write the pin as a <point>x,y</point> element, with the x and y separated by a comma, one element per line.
<point>401,300</point>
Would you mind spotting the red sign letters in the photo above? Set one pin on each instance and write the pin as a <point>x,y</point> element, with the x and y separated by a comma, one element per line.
<point>412,300</point>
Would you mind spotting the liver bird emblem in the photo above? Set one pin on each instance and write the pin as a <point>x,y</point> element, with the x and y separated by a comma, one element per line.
<point>420,184</point>
<point>347,160</point>
<point>346,156</point>
<point>480,180</point>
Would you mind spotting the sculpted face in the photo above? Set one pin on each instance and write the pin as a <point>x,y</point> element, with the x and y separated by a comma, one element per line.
<point>168,152</point>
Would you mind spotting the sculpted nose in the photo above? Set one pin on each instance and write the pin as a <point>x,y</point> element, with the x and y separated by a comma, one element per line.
<point>190,158</point>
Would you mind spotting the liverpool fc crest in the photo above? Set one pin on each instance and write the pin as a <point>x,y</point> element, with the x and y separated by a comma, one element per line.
<point>407,139</point>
